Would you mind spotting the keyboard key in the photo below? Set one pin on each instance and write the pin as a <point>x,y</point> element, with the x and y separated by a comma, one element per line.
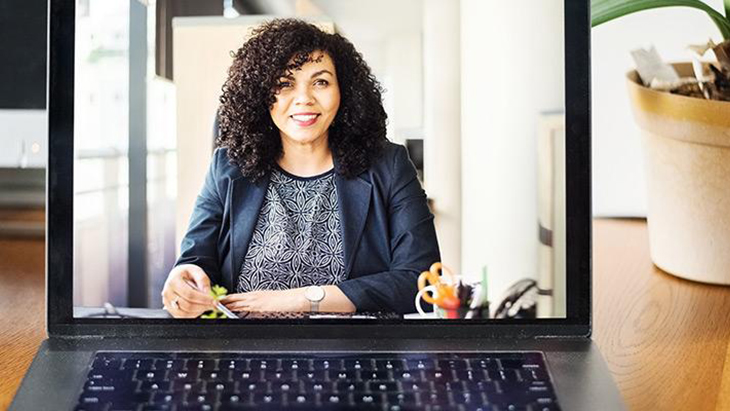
<point>295,364</point>
<point>320,375</point>
<point>485,364</point>
<point>489,387</point>
<point>544,407</point>
<point>201,398</point>
<point>465,397</point>
<point>374,399</point>
<point>213,375</point>
<point>111,375</point>
<point>185,376</point>
<point>246,376</point>
<point>157,408</point>
<point>139,364</point>
<point>188,386</point>
<point>233,365</point>
<point>110,385</point>
<point>161,386</point>
<point>285,386</point>
<point>301,399</point>
<point>512,362</point>
<point>264,364</point>
<point>435,398</point>
<point>253,387</point>
<point>123,405</point>
<point>333,398</point>
<point>344,387</point>
<point>168,398</point>
<point>416,386</point>
<point>394,365</point>
<point>219,386</point>
<point>452,364</point>
<point>244,407</point>
<point>407,376</point>
<point>328,364</point>
<point>401,399</point>
<point>150,375</point>
<point>278,375</point>
<point>343,375</point>
<point>169,364</point>
<point>383,387</point>
<point>106,363</point>
<point>470,375</point>
<point>437,376</point>
<point>359,364</point>
<point>313,386</point>
<point>422,364</point>
<point>268,398</point>
<point>199,364</point>
<point>448,386</point>
<point>230,397</point>
<point>195,407</point>
<point>375,376</point>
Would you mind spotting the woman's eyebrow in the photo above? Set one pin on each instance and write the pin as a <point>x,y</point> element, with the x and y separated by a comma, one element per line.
<point>322,72</point>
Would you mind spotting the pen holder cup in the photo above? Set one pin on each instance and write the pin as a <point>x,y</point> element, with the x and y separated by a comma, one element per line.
<point>462,312</point>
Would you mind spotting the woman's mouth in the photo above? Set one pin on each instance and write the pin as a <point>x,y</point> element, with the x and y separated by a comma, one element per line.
<point>305,120</point>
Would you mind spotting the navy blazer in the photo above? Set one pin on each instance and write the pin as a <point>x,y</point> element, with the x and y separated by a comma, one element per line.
<point>387,229</point>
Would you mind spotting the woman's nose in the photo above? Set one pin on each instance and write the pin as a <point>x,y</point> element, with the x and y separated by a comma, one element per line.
<point>304,96</point>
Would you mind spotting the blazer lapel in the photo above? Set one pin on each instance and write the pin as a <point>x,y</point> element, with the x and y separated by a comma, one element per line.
<point>245,203</point>
<point>354,197</point>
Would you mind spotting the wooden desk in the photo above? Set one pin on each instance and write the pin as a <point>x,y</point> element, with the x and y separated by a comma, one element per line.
<point>665,339</point>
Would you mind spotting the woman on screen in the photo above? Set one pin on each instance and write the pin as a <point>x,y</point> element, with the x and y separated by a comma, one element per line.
<point>306,205</point>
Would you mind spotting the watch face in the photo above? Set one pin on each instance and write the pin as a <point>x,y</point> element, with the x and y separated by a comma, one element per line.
<point>314,293</point>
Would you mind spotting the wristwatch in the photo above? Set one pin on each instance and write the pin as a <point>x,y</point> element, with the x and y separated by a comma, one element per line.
<point>314,294</point>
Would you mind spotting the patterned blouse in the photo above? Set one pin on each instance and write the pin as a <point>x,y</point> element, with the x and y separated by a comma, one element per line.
<point>297,241</point>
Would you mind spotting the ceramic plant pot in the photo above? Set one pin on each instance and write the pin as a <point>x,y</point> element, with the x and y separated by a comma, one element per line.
<point>686,143</point>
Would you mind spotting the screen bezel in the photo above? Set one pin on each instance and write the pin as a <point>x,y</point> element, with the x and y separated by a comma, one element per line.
<point>59,222</point>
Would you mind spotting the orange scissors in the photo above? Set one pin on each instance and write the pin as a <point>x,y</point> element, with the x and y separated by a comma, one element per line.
<point>445,295</point>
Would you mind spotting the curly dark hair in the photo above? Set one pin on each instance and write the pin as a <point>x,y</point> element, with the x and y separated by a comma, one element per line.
<point>357,133</point>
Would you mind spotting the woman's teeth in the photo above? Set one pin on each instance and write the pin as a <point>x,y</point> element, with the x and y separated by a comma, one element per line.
<point>304,117</point>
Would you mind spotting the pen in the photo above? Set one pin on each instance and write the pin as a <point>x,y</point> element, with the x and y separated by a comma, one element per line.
<point>222,308</point>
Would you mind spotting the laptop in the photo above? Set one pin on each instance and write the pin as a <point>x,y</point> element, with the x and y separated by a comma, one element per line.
<point>508,82</point>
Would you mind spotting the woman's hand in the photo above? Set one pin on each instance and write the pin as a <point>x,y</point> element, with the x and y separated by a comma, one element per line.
<point>269,300</point>
<point>179,296</point>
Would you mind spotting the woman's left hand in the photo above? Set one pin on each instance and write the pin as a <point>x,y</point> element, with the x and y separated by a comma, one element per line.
<point>268,300</point>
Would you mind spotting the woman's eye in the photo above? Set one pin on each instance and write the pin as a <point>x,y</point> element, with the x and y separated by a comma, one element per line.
<point>284,84</point>
<point>321,82</point>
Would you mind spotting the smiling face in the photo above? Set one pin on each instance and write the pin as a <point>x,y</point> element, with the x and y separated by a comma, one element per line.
<point>307,101</point>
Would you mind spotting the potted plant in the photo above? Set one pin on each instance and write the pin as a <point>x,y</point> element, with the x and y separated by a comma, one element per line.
<point>686,145</point>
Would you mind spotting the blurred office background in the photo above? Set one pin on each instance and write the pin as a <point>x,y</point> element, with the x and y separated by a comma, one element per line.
<point>471,92</point>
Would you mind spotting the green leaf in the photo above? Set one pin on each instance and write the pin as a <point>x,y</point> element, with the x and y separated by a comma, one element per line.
<point>217,291</point>
<point>607,10</point>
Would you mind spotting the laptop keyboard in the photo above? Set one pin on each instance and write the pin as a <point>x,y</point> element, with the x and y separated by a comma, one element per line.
<point>238,381</point>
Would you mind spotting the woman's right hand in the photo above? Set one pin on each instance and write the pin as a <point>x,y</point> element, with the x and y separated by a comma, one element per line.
<point>179,296</point>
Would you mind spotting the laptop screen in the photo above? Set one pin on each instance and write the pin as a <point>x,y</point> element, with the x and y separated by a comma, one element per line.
<point>319,159</point>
